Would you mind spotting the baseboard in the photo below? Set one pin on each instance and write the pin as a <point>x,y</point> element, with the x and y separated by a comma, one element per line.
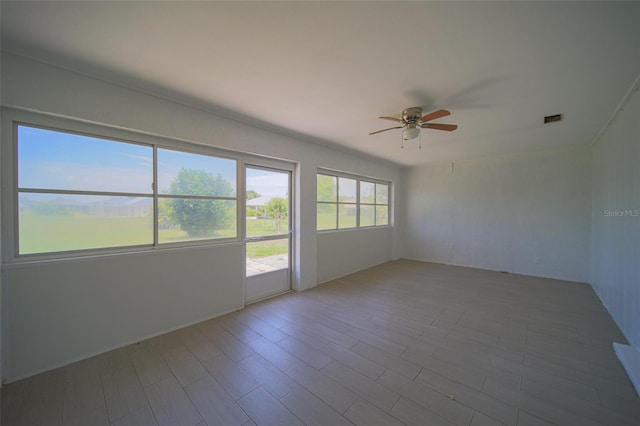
<point>484,268</point>
<point>351,273</point>
<point>116,346</point>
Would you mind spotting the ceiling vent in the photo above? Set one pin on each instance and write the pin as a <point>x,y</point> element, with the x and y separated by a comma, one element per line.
<point>552,118</point>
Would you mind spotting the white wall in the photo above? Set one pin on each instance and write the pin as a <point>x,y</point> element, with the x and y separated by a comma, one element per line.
<point>82,304</point>
<point>63,311</point>
<point>363,244</point>
<point>525,213</point>
<point>615,225</point>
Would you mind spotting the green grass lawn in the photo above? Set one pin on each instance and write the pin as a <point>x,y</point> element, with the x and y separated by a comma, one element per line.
<point>326,221</point>
<point>326,218</point>
<point>42,234</point>
<point>51,233</point>
<point>263,227</point>
<point>266,227</point>
<point>267,248</point>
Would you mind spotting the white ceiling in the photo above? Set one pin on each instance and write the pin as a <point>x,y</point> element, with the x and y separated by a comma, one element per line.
<point>325,71</point>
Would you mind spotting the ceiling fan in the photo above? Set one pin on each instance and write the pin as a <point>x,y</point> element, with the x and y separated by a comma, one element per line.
<point>412,121</point>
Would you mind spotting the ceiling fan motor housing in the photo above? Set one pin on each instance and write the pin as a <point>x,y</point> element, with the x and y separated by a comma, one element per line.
<point>412,115</point>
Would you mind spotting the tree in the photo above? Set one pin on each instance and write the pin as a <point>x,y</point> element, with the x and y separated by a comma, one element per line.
<point>327,190</point>
<point>277,209</point>
<point>165,213</point>
<point>199,217</point>
<point>251,194</point>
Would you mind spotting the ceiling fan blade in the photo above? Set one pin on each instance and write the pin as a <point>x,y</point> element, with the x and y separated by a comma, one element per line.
<point>435,114</point>
<point>392,119</point>
<point>437,126</point>
<point>390,128</point>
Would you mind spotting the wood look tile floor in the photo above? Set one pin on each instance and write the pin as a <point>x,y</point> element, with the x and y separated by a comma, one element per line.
<point>404,343</point>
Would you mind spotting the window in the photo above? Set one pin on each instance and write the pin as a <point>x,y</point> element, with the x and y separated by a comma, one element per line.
<point>77,192</point>
<point>374,204</point>
<point>351,202</point>
<point>196,196</point>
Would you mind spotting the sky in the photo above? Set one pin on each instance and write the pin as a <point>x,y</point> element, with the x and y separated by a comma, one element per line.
<point>268,183</point>
<point>55,160</point>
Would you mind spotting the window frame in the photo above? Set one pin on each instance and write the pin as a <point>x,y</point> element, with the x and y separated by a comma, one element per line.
<point>358,203</point>
<point>13,118</point>
<point>158,196</point>
<point>375,203</point>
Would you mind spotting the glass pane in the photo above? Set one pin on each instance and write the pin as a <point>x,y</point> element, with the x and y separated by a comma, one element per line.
<point>267,202</point>
<point>382,193</point>
<point>347,216</point>
<point>186,219</point>
<point>54,222</point>
<point>183,173</point>
<point>367,192</point>
<point>266,256</point>
<point>327,188</point>
<point>326,218</point>
<point>268,218</point>
<point>367,215</point>
<point>382,215</point>
<point>55,160</point>
<point>347,190</point>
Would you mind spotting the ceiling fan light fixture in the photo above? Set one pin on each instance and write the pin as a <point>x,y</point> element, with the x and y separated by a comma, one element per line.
<point>411,131</point>
<point>412,122</point>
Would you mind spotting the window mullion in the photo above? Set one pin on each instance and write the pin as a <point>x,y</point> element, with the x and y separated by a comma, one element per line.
<point>197,197</point>
<point>337,203</point>
<point>375,204</point>
<point>154,187</point>
<point>357,203</point>
<point>353,203</point>
<point>81,192</point>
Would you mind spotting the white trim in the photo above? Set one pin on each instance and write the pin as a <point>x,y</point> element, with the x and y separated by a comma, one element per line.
<point>126,251</point>
<point>339,173</point>
<point>88,128</point>
<point>337,203</point>
<point>362,228</point>
<point>14,117</point>
<point>278,166</point>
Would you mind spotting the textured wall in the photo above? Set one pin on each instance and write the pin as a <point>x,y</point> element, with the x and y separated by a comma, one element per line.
<point>61,312</point>
<point>615,224</point>
<point>369,247</point>
<point>525,213</point>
